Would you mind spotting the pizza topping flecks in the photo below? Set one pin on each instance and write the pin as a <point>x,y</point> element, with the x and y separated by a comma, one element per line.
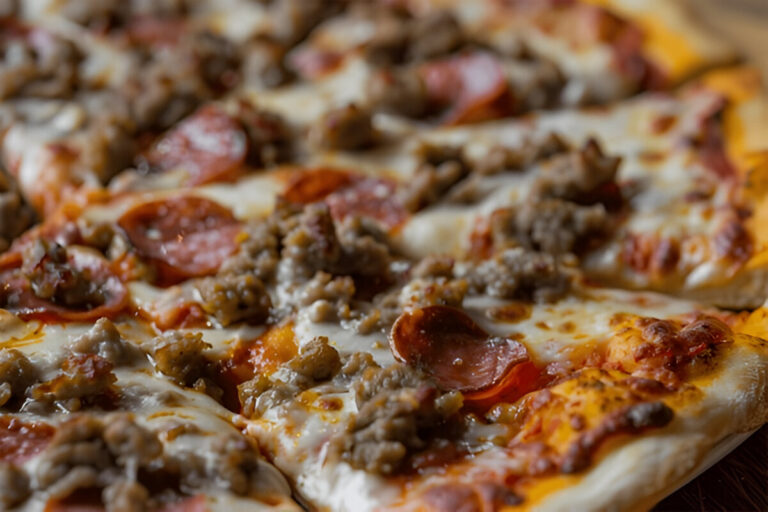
<point>184,236</point>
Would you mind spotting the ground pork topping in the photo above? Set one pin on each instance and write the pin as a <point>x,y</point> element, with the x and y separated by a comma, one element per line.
<point>125,461</point>
<point>180,356</point>
<point>264,64</point>
<point>17,373</point>
<point>315,244</point>
<point>15,213</point>
<point>175,79</point>
<point>53,277</point>
<point>578,175</point>
<point>235,298</point>
<point>398,91</point>
<point>36,63</point>
<point>502,158</point>
<point>104,340</point>
<point>520,274</point>
<point>83,380</point>
<point>442,167</point>
<point>553,226</point>
<point>14,485</point>
<point>399,410</point>
<point>270,138</point>
<point>316,363</point>
<point>398,39</point>
<point>345,128</point>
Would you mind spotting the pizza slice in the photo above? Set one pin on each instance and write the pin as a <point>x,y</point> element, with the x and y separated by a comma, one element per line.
<point>429,382</point>
<point>451,63</point>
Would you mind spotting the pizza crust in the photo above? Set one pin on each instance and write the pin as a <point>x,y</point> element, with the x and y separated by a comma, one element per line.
<point>637,475</point>
<point>675,39</point>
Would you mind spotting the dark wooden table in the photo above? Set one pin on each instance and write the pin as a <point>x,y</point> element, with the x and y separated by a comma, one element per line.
<point>737,483</point>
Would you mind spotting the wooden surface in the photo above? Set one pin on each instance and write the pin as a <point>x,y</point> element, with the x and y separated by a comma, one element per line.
<point>740,481</point>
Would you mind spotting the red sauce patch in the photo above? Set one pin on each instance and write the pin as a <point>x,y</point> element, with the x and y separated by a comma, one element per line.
<point>448,345</point>
<point>210,145</point>
<point>20,440</point>
<point>184,236</point>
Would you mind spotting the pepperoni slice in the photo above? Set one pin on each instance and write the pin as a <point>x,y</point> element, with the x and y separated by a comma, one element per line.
<point>21,440</point>
<point>369,197</point>
<point>83,287</point>
<point>448,345</point>
<point>471,86</point>
<point>313,185</point>
<point>210,145</point>
<point>184,236</point>
<point>348,194</point>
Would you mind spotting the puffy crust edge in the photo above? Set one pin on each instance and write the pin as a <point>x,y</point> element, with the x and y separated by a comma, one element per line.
<point>640,473</point>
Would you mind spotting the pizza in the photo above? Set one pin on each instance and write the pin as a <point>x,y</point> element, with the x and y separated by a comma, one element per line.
<point>412,255</point>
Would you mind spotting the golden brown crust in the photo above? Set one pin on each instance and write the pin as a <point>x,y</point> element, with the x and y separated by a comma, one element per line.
<point>636,475</point>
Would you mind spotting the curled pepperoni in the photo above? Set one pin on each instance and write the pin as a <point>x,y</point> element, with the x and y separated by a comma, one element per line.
<point>184,236</point>
<point>21,440</point>
<point>348,194</point>
<point>210,145</point>
<point>448,345</point>
<point>472,87</point>
<point>76,285</point>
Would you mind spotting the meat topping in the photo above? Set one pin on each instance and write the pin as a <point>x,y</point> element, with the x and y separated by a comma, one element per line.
<point>180,356</point>
<point>104,340</point>
<point>552,226</point>
<point>84,379</point>
<point>235,298</point>
<point>17,373</point>
<point>15,213</point>
<point>520,274</point>
<point>345,128</point>
<point>317,362</point>
<point>129,465</point>
<point>399,410</point>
